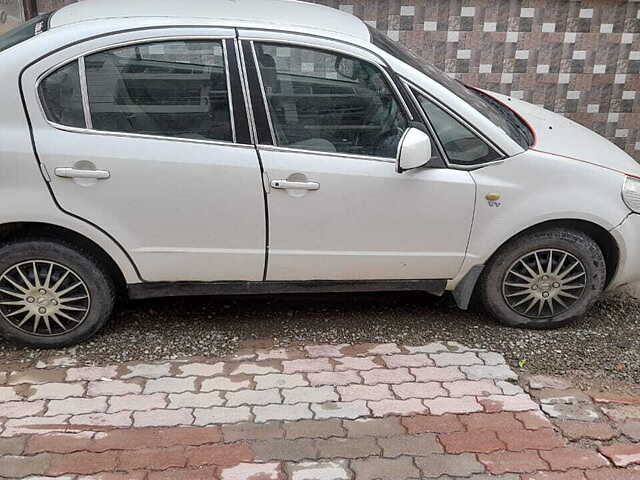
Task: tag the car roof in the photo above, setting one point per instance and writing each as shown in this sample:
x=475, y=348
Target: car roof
x=276, y=14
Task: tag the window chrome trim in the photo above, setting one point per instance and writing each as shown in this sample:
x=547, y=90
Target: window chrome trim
x=87, y=131
x=90, y=130
x=371, y=158
x=412, y=87
x=229, y=97
x=264, y=94
x=244, y=78
x=88, y=121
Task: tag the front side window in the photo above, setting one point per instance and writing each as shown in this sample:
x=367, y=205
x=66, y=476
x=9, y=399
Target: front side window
x=461, y=145
x=61, y=96
x=324, y=101
x=171, y=89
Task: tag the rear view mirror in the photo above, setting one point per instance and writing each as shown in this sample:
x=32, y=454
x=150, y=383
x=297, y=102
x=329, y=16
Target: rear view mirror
x=346, y=67
x=414, y=151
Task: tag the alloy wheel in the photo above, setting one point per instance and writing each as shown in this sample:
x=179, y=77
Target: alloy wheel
x=43, y=298
x=544, y=283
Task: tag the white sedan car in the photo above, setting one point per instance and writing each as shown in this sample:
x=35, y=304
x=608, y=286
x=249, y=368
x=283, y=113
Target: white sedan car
x=152, y=148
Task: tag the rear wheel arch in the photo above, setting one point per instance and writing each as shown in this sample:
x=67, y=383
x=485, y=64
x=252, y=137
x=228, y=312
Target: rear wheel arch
x=17, y=231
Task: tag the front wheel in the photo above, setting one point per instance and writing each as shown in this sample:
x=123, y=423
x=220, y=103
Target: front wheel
x=52, y=294
x=544, y=280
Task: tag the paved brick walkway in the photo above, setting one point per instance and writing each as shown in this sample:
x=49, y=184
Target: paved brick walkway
x=321, y=412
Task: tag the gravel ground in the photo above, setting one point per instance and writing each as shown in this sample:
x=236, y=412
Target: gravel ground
x=603, y=346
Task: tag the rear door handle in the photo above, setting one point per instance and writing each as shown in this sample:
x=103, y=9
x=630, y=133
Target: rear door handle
x=67, y=172
x=286, y=185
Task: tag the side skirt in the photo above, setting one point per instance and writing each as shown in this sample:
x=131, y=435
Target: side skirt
x=181, y=289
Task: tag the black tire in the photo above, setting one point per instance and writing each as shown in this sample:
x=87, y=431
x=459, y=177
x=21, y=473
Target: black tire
x=87, y=268
x=560, y=241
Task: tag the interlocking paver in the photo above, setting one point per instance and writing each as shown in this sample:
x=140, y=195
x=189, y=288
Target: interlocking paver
x=112, y=388
x=148, y=370
x=201, y=369
x=194, y=400
x=56, y=391
x=170, y=385
x=323, y=412
x=375, y=468
x=346, y=377
x=258, y=471
x=77, y=405
x=22, y=409
x=220, y=415
x=136, y=402
x=414, y=445
x=163, y=418
x=90, y=373
x=388, y=376
x=437, y=465
x=253, y=397
x=298, y=411
x=365, y=392
x=321, y=394
x=280, y=380
x=411, y=406
x=321, y=470
x=356, y=363
x=354, y=409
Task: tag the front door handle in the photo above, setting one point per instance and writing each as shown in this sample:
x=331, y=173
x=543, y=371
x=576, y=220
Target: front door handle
x=67, y=172
x=286, y=185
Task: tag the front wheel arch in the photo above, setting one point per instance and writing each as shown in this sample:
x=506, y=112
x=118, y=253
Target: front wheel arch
x=464, y=295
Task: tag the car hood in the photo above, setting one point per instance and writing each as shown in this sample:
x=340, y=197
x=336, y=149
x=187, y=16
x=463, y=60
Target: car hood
x=558, y=135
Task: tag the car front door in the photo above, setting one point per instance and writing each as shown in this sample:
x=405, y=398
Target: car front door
x=328, y=130
x=145, y=135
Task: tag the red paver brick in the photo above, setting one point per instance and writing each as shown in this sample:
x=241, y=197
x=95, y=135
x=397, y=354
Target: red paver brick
x=543, y=439
x=570, y=475
x=613, y=474
x=221, y=455
x=502, y=421
x=622, y=454
x=471, y=442
x=202, y=473
x=571, y=457
x=152, y=459
x=579, y=430
x=82, y=462
x=533, y=420
x=58, y=443
x=433, y=423
x=384, y=375
x=155, y=438
x=139, y=475
x=512, y=462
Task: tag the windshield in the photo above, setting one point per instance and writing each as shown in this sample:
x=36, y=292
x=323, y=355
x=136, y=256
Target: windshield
x=24, y=32
x=499, y=114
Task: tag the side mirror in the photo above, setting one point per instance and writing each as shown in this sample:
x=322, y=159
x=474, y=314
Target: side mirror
x=414, y=150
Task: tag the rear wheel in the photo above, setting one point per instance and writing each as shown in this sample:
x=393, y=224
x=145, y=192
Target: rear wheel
x=545, y=279
x=51, y=294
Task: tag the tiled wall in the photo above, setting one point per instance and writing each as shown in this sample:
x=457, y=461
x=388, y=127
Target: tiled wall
x=579, y=58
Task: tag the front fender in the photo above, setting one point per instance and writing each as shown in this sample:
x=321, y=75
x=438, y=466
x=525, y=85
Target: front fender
x=534, y=188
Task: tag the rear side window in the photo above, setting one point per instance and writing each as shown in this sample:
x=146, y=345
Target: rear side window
x=24, y=32
x=61, y=96
x=170, y=89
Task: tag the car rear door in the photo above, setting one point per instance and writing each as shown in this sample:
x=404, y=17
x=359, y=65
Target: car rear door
x=145, y=135
x=328, y=129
